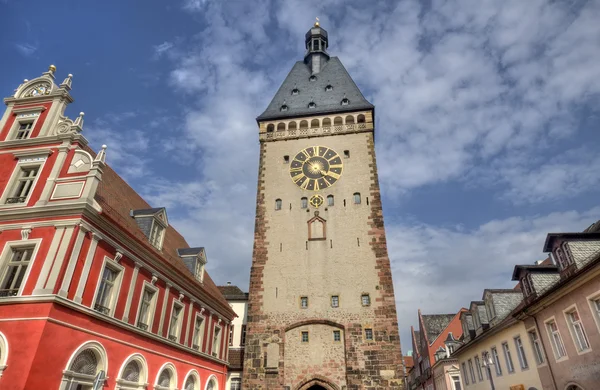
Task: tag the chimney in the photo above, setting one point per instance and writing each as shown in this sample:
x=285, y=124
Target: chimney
x=229, y=283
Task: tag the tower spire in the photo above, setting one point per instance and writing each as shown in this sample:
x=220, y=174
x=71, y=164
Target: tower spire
x=316, y=43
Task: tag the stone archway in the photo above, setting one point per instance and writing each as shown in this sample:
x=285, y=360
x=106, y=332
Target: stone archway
x=317, y=383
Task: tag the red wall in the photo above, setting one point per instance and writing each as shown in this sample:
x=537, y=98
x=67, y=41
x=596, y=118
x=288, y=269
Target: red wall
x=38, y=124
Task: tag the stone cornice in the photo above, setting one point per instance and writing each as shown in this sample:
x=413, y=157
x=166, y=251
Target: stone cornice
x=315, y=132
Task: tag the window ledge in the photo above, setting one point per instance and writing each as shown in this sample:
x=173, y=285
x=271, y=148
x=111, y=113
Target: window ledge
x=562, y=359
x=584, y=352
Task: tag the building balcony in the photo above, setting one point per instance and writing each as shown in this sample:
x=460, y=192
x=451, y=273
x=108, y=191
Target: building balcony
x=16, y=199
x=315, y=131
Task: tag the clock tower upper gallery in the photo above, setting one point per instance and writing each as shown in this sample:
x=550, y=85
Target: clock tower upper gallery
x=321, y=309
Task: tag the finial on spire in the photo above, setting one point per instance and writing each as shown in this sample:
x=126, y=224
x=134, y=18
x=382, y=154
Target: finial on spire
x=67, y=82
x=52, y=68
x=101, y=156
x=79, y=121
x=317, y=22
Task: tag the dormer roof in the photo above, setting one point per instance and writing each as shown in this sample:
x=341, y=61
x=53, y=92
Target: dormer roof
x=521, y=270
x=551, y=238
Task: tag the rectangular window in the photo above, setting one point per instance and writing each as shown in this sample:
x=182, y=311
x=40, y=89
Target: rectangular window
x=536, y=346
x=286, y=159
x=478, y=365
x=337, y=335
x=496, y=361
x=456, y=383
x=366, y=300
x=368, y=334
x=106, y=294
x=198, y=331
x=330, y=200
x=216, y=345
x=277, y=204
x=305, y=337
x=146, y=309
x=578, y=333
x=465, y=374
x=304, y=202
x=243, y=341
x=156, y=235
x=24, y=130
x=175, y=323
x=23, y=185
x=236, y=384
x=521, y=353
x=557, y=344
x=304, y=302
x=15, y=271
x=471, y=371
x=335, y=301
x=507, y=356
x=231, y=335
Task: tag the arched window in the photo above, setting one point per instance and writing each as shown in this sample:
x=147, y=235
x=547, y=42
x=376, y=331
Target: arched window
x=314, y=123
x=330, y=200
x=326, y=122
x=338, y=120
x=280, y=126
x=134, y=374
x=357, y=198
x=192, y=381
x=361, y=118
x=304, y=202
x=270, y=128
x=212, y=383
x=3, y=352
x=349, y=120
x=277, y=204
x=292, y=126
x=87, y=361
x=167, y=378
x=304, y=124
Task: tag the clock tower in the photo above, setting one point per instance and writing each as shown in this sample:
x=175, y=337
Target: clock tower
x=322, y=312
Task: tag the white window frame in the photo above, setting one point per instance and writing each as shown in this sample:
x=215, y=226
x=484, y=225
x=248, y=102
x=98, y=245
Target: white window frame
x=540, y=348
x=198, y=335
x=191, y=374
x=465, y=373
x=173, y=385
x=151, y=309
x=4, y=351
x=216, y=339
x=521, y=355
x=471, y=371
x=574, y=336
x=24, y=117
x=114, y=266
x=453, y=382
x=510, y=365
x=478, y=365
x=557, y=358
x=362, y=302
x=181, y=306
x=161, y=228
x=496, y=358
x=7, y=254
x=23, y=163
x=122, y=384
x=595, y=307
x=302, y=299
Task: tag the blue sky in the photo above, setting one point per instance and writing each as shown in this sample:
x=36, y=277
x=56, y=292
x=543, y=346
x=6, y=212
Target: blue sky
x=487, y=119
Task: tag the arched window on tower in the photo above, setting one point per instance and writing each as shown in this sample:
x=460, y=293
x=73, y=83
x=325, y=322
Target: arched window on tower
x=304, y=124
x=304, y=201
x=280, y=126
x=270, y=128
x=357, y=198
x=330, y=200
x=326, y=122
x=314, y=123
x=86, y=363
x=167, y=378
x=292, y=125
x=361, y=118
x=338, y=121
x=277, y=204
x=349, y=120
x=134, y=374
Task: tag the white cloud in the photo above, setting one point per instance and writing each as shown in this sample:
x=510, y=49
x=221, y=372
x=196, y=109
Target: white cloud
x=163, y=48
x=26, y=49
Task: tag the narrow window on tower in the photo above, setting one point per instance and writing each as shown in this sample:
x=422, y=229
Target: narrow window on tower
x=305, y=337
x=368, y=334
x=277, y=204
x=304, y=202
x=335, y=301
x=367, y=200
x=357, y=198
x=365, y=299
x=346, y=154
x=286, y=159
x=337, y=336
x=330, y=200
x=304, y=302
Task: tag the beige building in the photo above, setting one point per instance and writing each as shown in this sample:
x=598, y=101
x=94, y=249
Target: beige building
x=238, y=300
x=322, y=309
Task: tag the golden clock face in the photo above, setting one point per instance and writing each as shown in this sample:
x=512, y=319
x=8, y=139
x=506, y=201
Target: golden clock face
x=316, y=168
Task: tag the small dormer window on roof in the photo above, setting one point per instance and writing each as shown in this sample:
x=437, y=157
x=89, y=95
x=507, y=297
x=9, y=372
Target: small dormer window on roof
x=312, y=78
x=329, y=88
x=345, y=101
x=312, y=105
x=153, y=223
x=284, y=108
x=295, y=91
x=194, y=260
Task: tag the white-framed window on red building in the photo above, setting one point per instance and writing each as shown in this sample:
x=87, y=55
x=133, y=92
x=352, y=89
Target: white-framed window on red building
x=145, y=316
x=231, y=335
x=216, y=341
x=108, y=287
x=24, y=129
x=22, y=182
x=175, y=321
x=15, y=264
x=577, y=331
x=198, y=332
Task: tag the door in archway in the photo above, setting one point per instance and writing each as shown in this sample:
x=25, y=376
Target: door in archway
x=316, y=387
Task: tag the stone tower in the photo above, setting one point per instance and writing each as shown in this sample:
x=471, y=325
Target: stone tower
x=322, y=312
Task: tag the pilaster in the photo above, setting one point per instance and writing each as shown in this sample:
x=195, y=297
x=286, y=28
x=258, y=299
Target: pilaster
x=89, y=259
x=164, y=308
x=131, y=291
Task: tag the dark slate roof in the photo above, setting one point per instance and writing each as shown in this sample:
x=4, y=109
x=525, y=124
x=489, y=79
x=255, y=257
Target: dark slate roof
x=568, y=236
x=152, y=211
x=550, y=268
x=190, y=251
x=233, y=293
x=435, y=324
x=334, y=74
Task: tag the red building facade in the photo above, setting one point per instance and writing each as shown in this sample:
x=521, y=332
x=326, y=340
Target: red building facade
x=94, y=282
